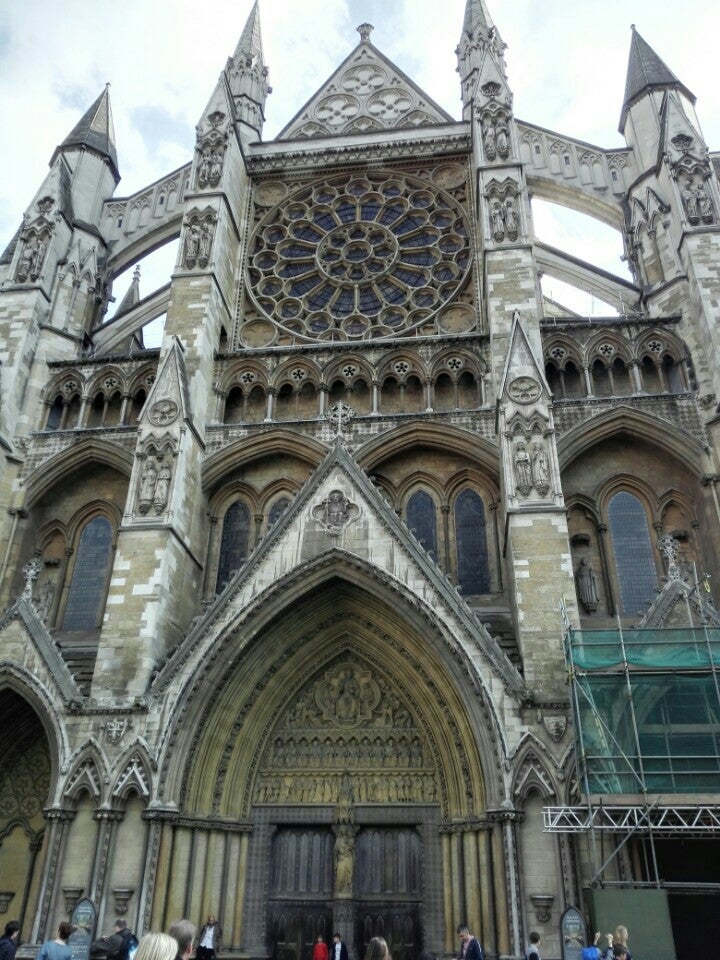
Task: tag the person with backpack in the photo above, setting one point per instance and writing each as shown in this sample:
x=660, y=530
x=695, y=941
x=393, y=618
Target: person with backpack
x=120, y=945
x=533, y=951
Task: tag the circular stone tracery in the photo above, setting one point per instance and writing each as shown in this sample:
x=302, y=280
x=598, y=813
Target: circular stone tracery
x=365, y=256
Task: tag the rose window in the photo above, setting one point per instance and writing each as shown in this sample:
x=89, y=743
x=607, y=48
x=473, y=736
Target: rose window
x=368, y=256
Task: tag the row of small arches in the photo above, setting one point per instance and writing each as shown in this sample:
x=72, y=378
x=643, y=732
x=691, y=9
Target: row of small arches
x=615, y=377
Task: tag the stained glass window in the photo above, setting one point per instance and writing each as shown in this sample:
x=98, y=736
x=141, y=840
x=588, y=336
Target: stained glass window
x=471, y=542
x=234, y=542
x=422, y=521
x=89, y=578
x=634, y=561
x=277, y=510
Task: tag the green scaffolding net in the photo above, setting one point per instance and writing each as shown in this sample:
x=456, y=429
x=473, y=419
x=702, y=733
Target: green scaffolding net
x=647, y=710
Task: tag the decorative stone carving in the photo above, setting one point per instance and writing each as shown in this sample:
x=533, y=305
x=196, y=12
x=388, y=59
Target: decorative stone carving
x=340, y=416
x=540, y=469
x=587, y=586
x=199, y=232
x=32, y=257
x=344, y=861
x=116, y=728
x=72, y=895
x=121, y=896
x=162, y=487
x=163, y=412
x=211, y=147
x=523, y=470
x=504, y=217
x=524, y=390
x=335, y=512
x=542, y=902
x=670, y=549
x=31, y=571
x=146, y=486
x=5, y=898
x=45, y=600
x=556, y=725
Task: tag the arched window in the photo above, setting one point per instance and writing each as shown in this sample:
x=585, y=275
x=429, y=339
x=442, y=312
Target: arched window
x=634, y=561
x=420, y=514
x=89, y=578
x=277, y=510
x=55, y=415
x=234, y=542
x=471, y=543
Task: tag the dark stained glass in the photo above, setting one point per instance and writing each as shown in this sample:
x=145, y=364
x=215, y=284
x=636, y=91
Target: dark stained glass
x=277, y=510
x=89, y=578
x=234, y=542
x=421, y=518
x=634, y=561
x=471, y=543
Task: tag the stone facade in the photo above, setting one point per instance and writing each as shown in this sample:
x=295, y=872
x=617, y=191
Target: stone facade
x=283, y=633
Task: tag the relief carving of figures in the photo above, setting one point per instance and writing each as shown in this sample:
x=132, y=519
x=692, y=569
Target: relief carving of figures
x=31, y=259
x=192, y=246
x=498, y=222
x=587, y=586
x=146, y=487
x=210, y=167
x=705, y=208
x=540, y=470
x=162, y=488
x=206, y=235
x=496, y=139
x=45, y=600
x=503, y=141
x=335, y=512
x=511, y=220
x=523, y=470
x=489, y=139
x=697, y=202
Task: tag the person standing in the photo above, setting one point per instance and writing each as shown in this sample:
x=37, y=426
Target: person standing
x=339, y=950
x=617, y=939
x=210, y=941
x=470, y=947
x=115, y=947
x=9, y=942
x=58, y=948
x=533, y=950
x=320, y=950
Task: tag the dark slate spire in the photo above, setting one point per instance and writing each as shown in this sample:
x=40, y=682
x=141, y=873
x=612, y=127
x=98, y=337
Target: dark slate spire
x=646, y=71
x=95, y=131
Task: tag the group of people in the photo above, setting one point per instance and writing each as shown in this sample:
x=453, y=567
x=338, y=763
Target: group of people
x=616, y=946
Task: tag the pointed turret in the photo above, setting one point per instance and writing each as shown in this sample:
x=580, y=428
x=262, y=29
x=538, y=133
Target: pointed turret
x=95, y=132
x=646, y=73
x=479, y=39
x=247, y=75
x=132, y=296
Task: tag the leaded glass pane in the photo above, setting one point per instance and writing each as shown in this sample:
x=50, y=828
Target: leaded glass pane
x=422, y=521
x=234, y=542
x=87, y=587
x=634, y=561
x=277, y=510
x=471, y=541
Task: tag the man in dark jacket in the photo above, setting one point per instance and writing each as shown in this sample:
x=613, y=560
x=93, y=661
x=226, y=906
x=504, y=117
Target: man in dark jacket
x=338, y=951
x=114, y=947
x=210, y=940
x=9, y=943
x=470, y=948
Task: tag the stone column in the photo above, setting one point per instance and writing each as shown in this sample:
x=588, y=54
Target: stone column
x=57, y=840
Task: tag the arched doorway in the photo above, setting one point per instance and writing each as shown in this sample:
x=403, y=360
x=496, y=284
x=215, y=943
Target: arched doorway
x=25, y=778
x=341, y=749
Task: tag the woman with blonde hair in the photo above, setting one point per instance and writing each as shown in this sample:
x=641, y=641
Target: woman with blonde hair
x=615, y=941
x=156, y=946
x=377, y=949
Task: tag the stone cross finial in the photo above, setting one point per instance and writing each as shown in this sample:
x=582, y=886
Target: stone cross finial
x=340, y=416
x=670, y=549
x=31, y=571
x=365, y=29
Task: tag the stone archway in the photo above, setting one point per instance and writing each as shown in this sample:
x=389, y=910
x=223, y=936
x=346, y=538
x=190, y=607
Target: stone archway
x=25, y=779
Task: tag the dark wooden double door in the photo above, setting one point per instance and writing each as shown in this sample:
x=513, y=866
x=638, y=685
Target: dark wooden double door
x=386, y=884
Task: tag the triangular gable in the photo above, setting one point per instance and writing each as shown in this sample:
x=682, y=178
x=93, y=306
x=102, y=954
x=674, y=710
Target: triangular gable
x=341, y=517
x=679, y=138
x=367, y=92
x=521, y=359
x=169, y=397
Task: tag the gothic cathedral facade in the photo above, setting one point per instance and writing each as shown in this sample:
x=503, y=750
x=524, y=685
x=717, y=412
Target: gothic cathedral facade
x=283, y=630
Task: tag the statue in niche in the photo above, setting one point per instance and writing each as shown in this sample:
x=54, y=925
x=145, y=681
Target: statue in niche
x=25, y=262
x=205, y=244
x=523, y=470
x=162, y=488
x=502, y=140
x=489, y=140
x=346, y=705
x=705, y=209
x=690, y=203
x=204, y=170
x=192, y=246
x=587, y=586
x=344, y=861
x=511, y=219
x=215, y=172
x=540, y=470
x=498, y=222
x=45, y=600
x=37, y=258
x=146, y=486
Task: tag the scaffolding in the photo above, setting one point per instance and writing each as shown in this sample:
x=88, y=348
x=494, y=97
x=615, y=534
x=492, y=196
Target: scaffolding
x=646, y=709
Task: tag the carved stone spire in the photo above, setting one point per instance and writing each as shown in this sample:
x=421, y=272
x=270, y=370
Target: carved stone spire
x=132, y=295
x=247, y=75
x=476, y=18
x=479, y=38
x=646, y=72
x=95, y=132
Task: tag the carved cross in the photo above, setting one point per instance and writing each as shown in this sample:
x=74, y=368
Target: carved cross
x=31, y=571
x=340, y=416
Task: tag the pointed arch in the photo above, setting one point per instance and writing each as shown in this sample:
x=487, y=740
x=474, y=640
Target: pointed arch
x=88, y=774
x=91, y=450
x=437, y=436
x=134, y=774
x=278, y=442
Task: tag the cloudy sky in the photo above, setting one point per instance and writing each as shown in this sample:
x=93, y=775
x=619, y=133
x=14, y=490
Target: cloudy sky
x=566, y=63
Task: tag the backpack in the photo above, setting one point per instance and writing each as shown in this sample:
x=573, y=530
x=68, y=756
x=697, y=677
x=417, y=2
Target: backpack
x=131, y=945
x=590, y=953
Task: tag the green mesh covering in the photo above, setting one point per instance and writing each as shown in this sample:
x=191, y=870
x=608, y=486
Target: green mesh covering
x=654, y=726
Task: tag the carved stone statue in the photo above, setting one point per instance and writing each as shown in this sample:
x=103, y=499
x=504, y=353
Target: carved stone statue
x=705, y=208
x=502, y=141
x=489, y=140
x=540, y=469
x=215, y=172
x=523, y=470
x=25, y=262
x=587, y=586
x=45, y=600
x=344, y=862
x=162, y=488
x=690, y=203
x=146, y=487
x=38, y=258
x=511, y=219
x=498, y=222
x=192, y=246
x=204, y=170
x=670, y=549
x=205, y=245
